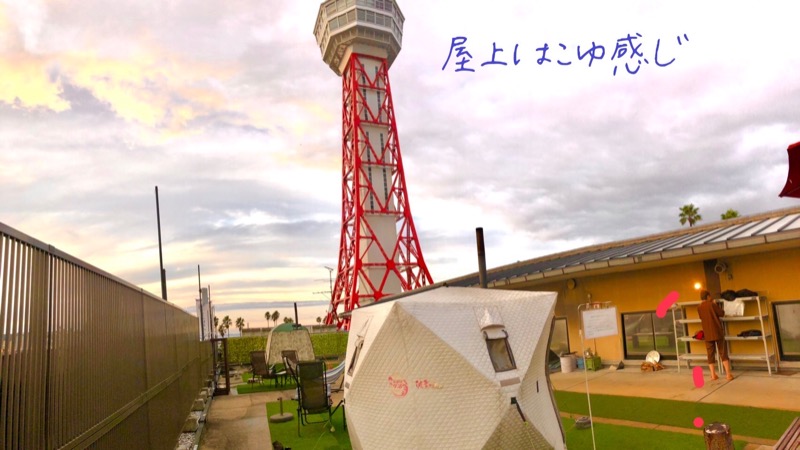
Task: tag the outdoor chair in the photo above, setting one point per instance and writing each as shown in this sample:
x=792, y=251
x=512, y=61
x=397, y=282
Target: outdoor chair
x=313, y=394
x=291, y=372
x=289, y=358
x=261, y=371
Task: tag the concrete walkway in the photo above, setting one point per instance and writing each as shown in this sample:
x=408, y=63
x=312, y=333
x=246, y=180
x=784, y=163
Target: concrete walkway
x=237, y=422
x=748, y=388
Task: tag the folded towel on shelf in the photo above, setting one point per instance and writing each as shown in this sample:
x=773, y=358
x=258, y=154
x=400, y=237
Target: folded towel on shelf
x=734, y=307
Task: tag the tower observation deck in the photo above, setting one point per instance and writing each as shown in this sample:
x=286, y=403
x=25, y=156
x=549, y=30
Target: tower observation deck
x=379, y=252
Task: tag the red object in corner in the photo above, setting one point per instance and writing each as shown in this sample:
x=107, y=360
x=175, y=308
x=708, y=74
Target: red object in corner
x=792, y=188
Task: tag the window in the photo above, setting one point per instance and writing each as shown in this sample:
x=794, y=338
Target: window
x=364, y=96
x=356, y=352
x=499, y=350
x=368, y=151
x=380, y=109
x=385, y=180
x=787, y=324
x=339, y=21
x=366, y=147
x=559, y=339
x=644, y=332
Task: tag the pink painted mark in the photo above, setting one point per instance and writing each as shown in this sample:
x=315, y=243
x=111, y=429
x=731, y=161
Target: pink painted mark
x=698, y=422
x=666, y=304
x=398, y=386
x=697, y=375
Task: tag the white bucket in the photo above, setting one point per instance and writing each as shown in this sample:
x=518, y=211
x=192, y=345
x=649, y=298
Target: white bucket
x=568, y=363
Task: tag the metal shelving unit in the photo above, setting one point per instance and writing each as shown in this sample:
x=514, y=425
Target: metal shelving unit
x=761, y=319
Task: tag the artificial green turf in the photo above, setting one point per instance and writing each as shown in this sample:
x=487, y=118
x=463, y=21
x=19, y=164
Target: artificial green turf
x=743, y=420
x=318, y=436
x=620, y=437
x=312, y=436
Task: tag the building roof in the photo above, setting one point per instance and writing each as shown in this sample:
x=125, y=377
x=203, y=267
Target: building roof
x=698, y=242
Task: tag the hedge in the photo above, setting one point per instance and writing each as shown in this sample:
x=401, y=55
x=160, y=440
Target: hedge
x=239, y=348
x=326, y=345
x=329, y=345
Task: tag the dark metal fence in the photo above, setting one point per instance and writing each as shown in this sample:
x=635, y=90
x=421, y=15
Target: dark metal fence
x=89, y=360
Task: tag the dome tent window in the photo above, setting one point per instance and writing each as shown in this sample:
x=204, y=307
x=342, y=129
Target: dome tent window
x=358, y=345
x=356, y=352
x=499, y=350
x=496, y=336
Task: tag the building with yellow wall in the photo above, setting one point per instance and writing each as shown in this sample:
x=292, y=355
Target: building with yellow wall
x=760, y=253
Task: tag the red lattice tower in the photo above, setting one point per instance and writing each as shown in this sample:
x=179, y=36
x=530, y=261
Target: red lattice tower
x=379, y=252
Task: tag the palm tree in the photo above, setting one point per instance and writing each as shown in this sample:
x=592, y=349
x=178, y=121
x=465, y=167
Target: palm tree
x=221, y=331
x=240, y=325
x=288, y=320
x=689, y=213
x=319, y=320
x=216, y=322
x=267, y=315
x=275, y=315
x=226, y=322
x=729, y=214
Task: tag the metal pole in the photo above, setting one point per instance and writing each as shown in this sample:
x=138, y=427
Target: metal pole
x=211, y=313
x=481, y=257
x=586, y=374
x=330, y=278
x=200, y=296
x=160, y=253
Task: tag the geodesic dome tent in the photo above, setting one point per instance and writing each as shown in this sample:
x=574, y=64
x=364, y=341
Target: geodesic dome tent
x=452, y=368
x=289, y=336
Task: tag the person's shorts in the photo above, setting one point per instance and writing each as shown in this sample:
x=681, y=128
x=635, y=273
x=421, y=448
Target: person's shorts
x=711, y=350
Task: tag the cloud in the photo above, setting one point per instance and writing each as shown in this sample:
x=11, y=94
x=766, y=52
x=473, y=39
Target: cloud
x=230, y=110
x=25, y=19
x=265, y=305
x=181, y=69
x=27, y=83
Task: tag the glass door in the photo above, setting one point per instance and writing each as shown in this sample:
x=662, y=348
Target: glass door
x=644, y=332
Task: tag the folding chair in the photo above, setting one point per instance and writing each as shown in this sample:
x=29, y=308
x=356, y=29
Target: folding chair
x=261, y=371
x=313, y=396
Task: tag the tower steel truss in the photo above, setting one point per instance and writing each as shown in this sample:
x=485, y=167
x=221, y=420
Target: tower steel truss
x=379, y=252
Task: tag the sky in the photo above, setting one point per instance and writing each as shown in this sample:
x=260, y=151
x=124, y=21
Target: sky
x=229, y=109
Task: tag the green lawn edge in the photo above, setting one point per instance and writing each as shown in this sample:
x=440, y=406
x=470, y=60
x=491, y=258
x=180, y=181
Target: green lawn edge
x=743, y=420
x=608, y=437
